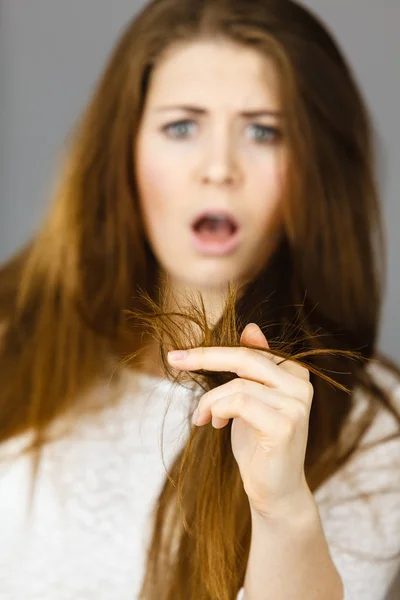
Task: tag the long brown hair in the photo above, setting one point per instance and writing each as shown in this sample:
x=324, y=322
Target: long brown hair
x=63, y=298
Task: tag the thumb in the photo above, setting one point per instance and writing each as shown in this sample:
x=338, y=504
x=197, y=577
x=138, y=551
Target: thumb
x=253, y=335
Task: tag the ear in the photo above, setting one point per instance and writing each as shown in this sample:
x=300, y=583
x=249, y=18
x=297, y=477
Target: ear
x=253, y=335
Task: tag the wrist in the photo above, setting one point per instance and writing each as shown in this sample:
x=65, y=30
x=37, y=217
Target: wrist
x=297, y=510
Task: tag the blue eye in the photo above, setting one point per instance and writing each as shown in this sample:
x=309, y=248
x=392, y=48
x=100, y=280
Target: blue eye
x=265, y=134
x=179, y=129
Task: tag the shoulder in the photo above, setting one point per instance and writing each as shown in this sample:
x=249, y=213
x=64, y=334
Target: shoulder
x=378, y=455
x=369, y=481
x=359, y=505
x=385, y=377
x=385, y=423
x=15, y=484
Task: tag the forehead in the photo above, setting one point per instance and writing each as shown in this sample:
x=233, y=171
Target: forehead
x=215, y=73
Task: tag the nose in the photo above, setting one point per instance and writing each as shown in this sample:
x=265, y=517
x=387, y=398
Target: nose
x=220, y=166
x=219, y=174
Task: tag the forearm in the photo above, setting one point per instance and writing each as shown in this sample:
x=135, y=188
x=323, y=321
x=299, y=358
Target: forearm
x=289, y=559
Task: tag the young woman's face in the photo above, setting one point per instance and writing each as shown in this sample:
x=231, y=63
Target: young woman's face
x=210, y=164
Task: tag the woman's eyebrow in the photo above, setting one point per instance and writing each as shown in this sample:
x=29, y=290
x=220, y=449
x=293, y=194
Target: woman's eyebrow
x=202, y=111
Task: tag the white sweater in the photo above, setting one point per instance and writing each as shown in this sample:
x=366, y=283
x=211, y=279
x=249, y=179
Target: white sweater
x=87, y=536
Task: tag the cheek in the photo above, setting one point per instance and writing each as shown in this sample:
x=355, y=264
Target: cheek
x=159, y=174
x=268, y=183
x=151, y=180
x=158, y=189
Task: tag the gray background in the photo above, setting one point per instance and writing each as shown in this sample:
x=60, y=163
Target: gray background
x=52, y=51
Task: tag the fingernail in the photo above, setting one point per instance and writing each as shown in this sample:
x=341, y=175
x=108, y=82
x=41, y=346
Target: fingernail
x=177, y=355
x=195, y=417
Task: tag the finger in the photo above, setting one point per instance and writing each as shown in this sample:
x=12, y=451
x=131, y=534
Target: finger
x=253, y=335
x=248, y=364
x=270, y=396
x=264, y=420
x=290, y=407
x=295, y=369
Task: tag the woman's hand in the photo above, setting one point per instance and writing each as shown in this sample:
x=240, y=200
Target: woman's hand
x=270, y=407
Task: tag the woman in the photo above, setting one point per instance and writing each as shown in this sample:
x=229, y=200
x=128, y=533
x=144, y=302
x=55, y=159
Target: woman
x=226, y=143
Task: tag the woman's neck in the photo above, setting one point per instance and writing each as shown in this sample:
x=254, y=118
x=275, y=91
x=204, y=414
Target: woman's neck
x=178, y=298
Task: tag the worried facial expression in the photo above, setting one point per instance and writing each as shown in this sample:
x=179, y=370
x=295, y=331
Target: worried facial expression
x=210, y=163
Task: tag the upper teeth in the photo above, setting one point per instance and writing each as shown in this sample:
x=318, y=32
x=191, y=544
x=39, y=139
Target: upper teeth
x=216, y=217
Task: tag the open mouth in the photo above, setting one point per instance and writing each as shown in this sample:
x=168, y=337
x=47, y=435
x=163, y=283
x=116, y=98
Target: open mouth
x=215, y=227
x=215, y=233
